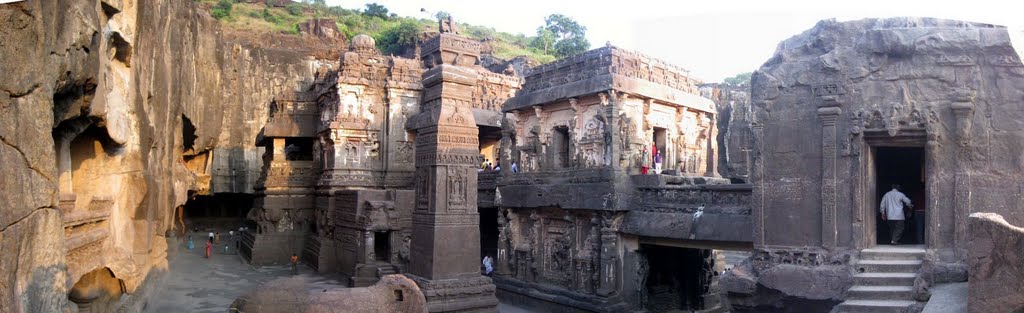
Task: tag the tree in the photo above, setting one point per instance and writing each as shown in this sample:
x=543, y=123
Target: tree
x=544, y=41
x=374, y=9
x=394, y=39
x=738, y=80
x=222, y=9
x=442, y=15
x=570, y=38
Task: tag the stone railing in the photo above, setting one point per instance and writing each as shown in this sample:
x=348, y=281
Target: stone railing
x=84, y=227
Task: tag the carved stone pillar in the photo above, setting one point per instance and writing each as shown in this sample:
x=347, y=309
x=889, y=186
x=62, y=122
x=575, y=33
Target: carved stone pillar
x=447, y=157
x=502, y=259
x=608, y=284
x=963, y=109
x=757, y=180
x=712, y=143
x=828, y=112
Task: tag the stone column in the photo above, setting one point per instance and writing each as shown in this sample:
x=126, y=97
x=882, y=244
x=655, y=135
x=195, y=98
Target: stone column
x=502, y=259
x=828, y=112
x=445, y=248
x=756, y=176
x=609, y=259
x=963, y=109
x=712, y=161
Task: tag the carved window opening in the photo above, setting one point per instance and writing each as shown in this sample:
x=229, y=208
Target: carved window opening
x=382, y=246
x=188, y=134
x=490, y=138
x=904, y=166
x=399, y=297
x=560, y=147
x=676, y=279
x=298, y=149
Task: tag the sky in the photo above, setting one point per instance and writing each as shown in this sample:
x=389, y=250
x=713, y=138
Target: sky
x=712, y=39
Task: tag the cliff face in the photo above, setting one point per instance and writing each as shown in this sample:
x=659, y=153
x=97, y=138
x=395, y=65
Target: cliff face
x=110, y=112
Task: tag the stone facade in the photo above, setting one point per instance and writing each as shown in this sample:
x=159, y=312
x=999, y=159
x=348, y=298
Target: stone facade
x=616, y=159
x=839, y=102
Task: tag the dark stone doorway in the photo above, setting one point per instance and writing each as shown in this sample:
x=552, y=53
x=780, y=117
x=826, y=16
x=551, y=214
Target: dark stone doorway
x=676, y=278
x=382, y=246
x=488, y=232
x=903, y=166
x=221, y=211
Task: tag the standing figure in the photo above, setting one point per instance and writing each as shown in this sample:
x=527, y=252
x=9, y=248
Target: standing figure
x=295, y=264
x=191, y=245
x=892, y=211
x=209, y=248
x=488, y=265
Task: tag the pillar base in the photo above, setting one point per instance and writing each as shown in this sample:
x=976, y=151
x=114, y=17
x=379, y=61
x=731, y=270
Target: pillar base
x=470, y=294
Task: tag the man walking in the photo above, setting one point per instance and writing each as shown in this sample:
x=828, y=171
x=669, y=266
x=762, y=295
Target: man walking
x=892, y=212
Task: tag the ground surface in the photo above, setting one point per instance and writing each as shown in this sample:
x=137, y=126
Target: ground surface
x=947, y=298
x=200, y=285
x=197, y=284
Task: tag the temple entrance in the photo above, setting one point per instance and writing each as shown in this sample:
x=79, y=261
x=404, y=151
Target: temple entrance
x=902, y=166
x=676, y=278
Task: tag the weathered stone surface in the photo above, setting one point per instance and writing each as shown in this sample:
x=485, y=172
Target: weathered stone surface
x=830, y=97
x=92, y=110
x=393, y=293
x=739, y=279
x=821, y=282
x=996, y=264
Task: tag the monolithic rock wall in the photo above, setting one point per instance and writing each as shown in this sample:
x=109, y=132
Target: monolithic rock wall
x=832, y=95
x=92, y=110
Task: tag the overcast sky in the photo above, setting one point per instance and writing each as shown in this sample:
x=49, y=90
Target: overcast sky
x=714, y=39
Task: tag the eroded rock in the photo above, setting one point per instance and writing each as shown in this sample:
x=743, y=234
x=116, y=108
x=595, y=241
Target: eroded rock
x=996, y=265
x=393, y=293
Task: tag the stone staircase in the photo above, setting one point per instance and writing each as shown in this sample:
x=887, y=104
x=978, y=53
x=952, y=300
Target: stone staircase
x=885, y=280
x=385, y=270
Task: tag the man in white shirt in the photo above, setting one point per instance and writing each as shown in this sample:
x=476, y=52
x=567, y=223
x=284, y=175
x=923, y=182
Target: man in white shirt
x=892, y=212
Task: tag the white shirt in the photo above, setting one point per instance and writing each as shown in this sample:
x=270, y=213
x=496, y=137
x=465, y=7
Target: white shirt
x=892, y=205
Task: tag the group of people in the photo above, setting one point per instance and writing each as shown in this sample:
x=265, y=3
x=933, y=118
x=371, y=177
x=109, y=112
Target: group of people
x=485, y=166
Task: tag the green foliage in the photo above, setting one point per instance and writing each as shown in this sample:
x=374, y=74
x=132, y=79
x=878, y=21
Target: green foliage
x=392, y=33
x=269, y=17
x=441, y=15
x=222, y=9
x=739, y=79
x=570, y=38
x=545, y=40
x=376, y=10
x=394, y=39
x=294, y=9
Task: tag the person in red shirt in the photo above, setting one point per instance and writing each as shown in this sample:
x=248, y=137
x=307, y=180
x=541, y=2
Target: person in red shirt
x=209, y=248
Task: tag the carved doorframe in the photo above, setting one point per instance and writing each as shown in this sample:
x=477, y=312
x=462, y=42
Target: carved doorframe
x=868, y=198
